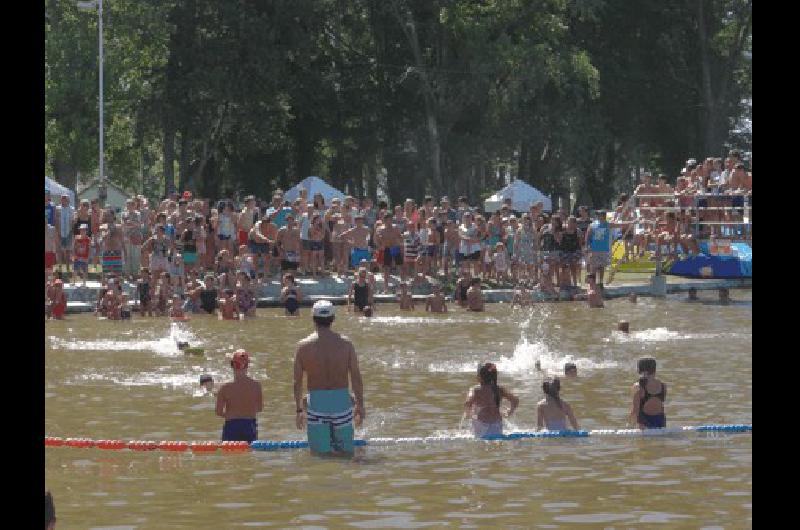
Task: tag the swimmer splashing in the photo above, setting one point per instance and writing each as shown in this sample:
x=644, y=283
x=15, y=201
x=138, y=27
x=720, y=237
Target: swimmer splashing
x=483, y=403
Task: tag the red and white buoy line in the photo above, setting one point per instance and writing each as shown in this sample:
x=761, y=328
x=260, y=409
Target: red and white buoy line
x=260, y=445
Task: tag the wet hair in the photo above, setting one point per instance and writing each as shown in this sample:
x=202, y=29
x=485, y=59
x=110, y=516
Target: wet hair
x=325, y=322
x=552, y=388
x=487, y=373
x=205, y=378
x=569, y=367
x=49, y=509
x=646, y=365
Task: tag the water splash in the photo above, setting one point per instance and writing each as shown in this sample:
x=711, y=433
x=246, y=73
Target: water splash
x=662, y=334
x=163, y=345
x=531, y=353
x=403, y=321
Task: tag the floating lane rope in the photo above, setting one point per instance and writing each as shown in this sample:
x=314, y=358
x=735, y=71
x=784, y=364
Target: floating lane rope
x=266, y=445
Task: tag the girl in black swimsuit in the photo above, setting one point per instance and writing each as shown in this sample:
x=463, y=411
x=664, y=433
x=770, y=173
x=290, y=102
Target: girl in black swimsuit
x=646, y=390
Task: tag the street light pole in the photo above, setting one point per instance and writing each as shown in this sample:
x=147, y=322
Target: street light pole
x=100, y=37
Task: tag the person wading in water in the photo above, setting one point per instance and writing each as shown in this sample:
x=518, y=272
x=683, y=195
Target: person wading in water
x=328, y=360
x=239, y=401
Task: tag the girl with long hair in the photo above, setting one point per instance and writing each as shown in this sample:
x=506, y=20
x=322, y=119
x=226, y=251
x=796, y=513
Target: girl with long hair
x=483, y=403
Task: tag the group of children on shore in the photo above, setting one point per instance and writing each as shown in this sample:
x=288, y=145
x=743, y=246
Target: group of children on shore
x=482, y=405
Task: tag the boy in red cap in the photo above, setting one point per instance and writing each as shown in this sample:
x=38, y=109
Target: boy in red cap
x=239, y=401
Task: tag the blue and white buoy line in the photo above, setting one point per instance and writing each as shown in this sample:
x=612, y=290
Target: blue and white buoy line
x=265, y=445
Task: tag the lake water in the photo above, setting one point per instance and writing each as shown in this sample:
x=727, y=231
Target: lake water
x=127, y=380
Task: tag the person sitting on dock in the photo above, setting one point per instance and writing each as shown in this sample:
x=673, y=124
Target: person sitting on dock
x=649, y=394
x=483, y=403
x=239, y=401
x=552, y=412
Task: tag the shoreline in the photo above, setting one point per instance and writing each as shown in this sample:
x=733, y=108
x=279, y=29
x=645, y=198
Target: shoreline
x=82, y=299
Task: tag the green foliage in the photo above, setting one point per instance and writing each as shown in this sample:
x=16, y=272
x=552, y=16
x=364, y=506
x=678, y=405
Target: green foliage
x=441, y=95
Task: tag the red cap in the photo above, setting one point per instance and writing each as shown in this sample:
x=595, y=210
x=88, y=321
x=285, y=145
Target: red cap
x=240, y=360
x=187, y=194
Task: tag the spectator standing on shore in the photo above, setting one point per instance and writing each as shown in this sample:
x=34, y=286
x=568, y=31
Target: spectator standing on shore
x=132, y=224
x=598, y=242
x=64, y=215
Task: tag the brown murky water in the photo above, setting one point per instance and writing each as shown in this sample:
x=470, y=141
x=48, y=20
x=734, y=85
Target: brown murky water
x=128, y=381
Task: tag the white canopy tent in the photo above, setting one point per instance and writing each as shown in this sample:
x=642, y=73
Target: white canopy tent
x=522, y=196
x=57, y=190
x=314, y=185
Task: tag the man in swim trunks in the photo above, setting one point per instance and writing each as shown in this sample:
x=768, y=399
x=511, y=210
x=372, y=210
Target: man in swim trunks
x=113, y=244
x=239, y=402
x=389, y=240
x=328, y=360
x=288, y=241
x=358, y=238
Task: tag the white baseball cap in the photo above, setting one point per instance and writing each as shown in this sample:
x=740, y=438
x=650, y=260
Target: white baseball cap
x=324, y=308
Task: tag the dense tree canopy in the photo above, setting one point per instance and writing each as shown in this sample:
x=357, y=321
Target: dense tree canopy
x=413, y=96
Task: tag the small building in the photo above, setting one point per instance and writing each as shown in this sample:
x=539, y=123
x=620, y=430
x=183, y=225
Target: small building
x=115, y=195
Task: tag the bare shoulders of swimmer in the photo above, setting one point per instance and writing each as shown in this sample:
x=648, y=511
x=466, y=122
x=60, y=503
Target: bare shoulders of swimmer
x=326, y=360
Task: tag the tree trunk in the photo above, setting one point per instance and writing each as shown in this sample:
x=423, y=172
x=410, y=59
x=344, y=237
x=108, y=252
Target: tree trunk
x=65, y=174
x=169, y=159
x=184, y=171
x=709, y=103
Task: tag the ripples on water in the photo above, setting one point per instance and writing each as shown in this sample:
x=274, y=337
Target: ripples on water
x=128, y=380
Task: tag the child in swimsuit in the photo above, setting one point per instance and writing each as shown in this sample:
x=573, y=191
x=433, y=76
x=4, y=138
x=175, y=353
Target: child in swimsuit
x=245, y=298
x=227, y=306
x=552, y=412
x=483, y=403
x=649, y=394
x=290, y=295
x=406, y=300
x=143, y=292
x=207, y=384
x=176, y=311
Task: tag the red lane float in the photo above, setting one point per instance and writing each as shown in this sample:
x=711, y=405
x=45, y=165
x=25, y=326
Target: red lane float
x=82, y=443
x=204, y=447
x=142, y=445
x=111, y=444
x=53, y=441
x=234, y=447
x=173, y=446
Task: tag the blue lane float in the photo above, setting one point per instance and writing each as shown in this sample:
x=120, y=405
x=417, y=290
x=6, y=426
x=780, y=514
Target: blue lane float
x=520, y=435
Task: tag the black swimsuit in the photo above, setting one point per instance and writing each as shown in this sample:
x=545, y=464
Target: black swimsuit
x=291, y=302
x=361, y=296
x=652, y=421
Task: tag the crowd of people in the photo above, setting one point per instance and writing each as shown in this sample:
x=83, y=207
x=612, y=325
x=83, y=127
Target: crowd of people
x=188, y=256
x=710, y=199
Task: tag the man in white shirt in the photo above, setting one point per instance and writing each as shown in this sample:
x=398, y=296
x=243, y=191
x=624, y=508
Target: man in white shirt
x=470, y=245
x=64, y=219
